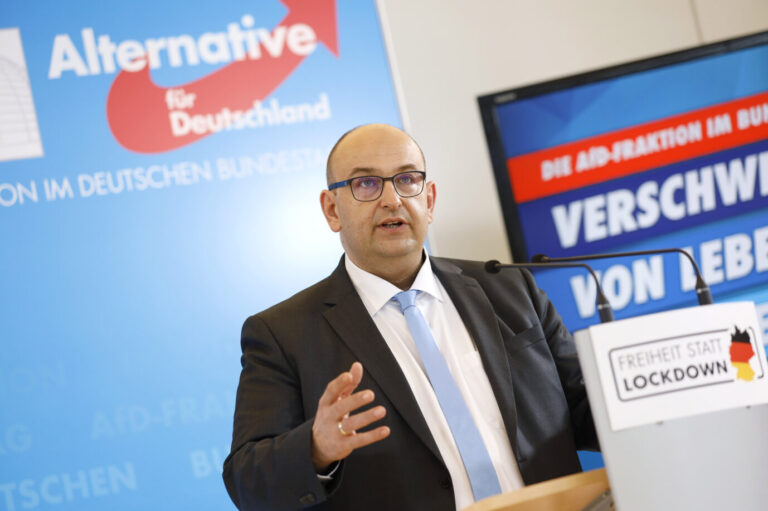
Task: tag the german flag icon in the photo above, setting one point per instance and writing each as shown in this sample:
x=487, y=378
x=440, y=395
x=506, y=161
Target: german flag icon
x=741, y=352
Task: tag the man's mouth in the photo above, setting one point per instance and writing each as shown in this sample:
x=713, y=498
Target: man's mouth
x=392, y=223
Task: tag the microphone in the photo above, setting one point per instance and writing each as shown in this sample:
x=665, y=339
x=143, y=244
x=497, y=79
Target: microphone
x=702, y=289
x=603, y=307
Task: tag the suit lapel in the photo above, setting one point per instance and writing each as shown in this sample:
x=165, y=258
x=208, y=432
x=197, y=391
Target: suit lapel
x=355, y=327
x=479, y=317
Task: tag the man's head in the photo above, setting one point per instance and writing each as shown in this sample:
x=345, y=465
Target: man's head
x=384, y=236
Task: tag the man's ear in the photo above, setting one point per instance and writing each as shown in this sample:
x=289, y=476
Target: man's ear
x=431, y=197
x=330, y=210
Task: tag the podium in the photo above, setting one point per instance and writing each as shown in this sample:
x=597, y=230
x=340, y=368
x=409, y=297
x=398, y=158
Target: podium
x=568, y=493
x=680, y=403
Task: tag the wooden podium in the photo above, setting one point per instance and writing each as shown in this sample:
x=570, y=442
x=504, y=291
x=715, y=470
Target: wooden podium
x=569, y=493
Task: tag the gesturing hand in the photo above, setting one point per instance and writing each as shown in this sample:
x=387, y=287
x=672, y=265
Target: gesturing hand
x=334, y=434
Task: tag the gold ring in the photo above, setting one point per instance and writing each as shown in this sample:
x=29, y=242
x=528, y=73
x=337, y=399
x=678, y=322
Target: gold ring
x=341, y=429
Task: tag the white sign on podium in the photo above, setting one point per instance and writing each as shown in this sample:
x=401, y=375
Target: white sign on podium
x=665, y=366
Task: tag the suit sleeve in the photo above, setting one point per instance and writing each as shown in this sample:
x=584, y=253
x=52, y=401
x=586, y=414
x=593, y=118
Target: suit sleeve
x=566, y=359
x=270, y=466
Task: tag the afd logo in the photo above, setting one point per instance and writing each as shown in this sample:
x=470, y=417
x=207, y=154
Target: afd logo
x=148, y=118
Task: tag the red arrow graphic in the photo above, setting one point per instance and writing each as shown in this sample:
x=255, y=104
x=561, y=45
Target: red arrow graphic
x=136, y=107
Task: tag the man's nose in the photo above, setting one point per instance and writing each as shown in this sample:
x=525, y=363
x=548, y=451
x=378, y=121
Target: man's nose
x=389, y=197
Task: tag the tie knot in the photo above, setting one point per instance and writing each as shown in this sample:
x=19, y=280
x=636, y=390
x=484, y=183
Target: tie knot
x=406, y=298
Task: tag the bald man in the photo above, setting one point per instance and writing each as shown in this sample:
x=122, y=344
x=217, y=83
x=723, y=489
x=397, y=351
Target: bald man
x=340, y=407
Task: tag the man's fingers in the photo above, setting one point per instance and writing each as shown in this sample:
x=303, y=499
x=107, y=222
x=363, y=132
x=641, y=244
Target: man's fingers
x=363, y=419
x=342, y=385
x=356, y=371
x=350, y=403
x=334, y=389
x=362, y=439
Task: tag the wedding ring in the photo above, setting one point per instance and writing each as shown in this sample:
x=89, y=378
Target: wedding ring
x=341, y=429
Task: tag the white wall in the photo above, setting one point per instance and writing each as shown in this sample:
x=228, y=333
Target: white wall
x=445, y=53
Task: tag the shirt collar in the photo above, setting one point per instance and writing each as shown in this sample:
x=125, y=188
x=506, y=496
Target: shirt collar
x=375, y=292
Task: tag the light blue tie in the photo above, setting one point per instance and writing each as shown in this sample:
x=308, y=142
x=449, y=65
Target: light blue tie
x=482, y=475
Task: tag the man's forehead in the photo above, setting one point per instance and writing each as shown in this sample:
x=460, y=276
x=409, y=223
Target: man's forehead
x=375, y=147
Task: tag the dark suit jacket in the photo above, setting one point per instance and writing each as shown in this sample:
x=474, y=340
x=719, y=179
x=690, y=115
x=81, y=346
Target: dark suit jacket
x=292, y=350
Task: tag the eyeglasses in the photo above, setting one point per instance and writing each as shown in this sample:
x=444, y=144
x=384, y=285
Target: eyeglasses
x=369, y=188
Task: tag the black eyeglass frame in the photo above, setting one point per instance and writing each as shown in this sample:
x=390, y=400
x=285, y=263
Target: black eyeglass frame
x=348, y=182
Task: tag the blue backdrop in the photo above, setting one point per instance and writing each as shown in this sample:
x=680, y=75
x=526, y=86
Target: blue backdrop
x=121, y=305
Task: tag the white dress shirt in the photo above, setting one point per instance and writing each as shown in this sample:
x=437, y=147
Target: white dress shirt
x=460, y=353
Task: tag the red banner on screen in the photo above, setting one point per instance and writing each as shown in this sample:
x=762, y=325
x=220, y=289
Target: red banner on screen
x=638, y=148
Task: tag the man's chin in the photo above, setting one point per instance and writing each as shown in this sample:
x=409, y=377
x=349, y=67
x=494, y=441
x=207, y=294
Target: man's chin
x=400, y=249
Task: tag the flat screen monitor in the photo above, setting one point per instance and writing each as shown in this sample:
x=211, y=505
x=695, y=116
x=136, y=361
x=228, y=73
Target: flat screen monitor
x=670, y=151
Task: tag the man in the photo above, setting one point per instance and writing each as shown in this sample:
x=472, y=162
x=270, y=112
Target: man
x=340, y=407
